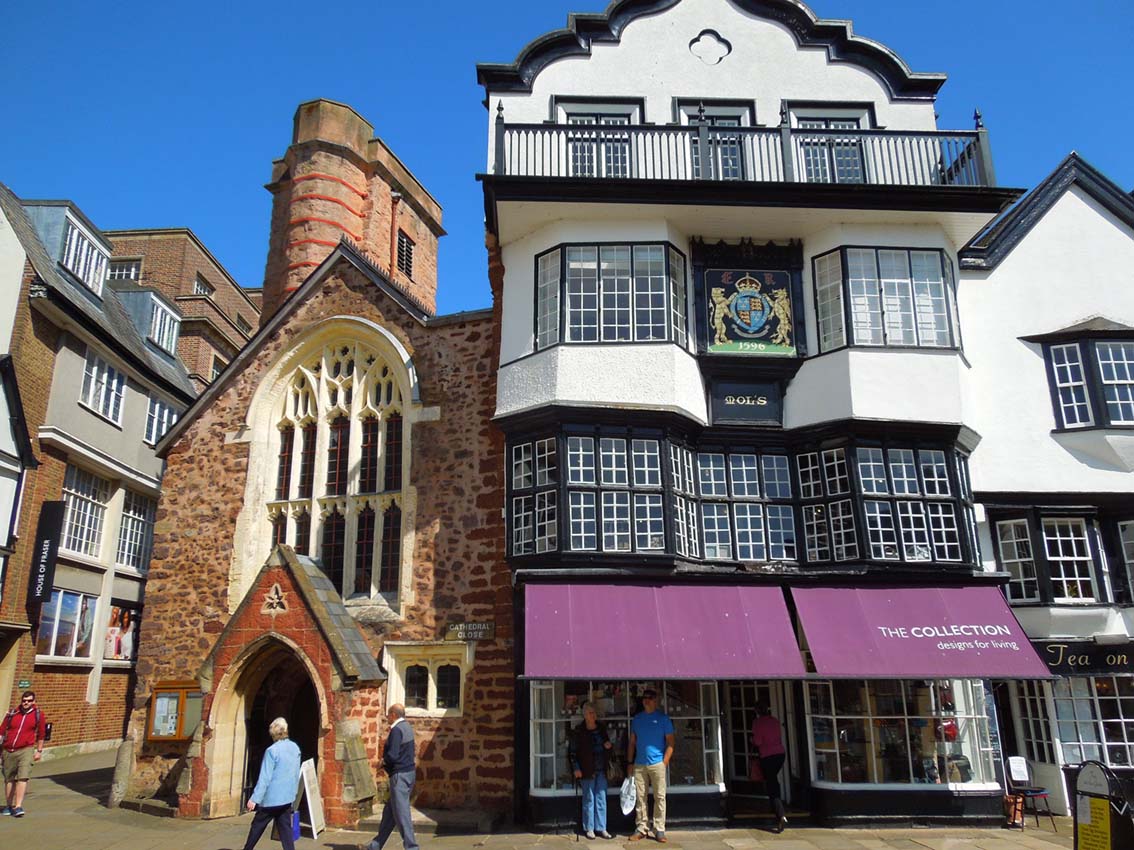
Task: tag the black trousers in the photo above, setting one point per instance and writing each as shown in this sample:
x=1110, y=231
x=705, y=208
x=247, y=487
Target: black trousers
x=264, y=816
x=771, y=766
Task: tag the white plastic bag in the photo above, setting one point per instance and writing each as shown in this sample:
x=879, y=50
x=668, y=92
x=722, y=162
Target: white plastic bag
x=628, y=796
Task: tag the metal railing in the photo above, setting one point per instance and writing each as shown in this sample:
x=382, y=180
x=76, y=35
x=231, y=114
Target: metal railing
x=701, y=151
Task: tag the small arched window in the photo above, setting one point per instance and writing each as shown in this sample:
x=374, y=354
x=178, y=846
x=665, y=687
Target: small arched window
x=339, y=472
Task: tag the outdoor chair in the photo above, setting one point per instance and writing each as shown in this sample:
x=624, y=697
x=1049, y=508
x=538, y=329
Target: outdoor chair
x=1020, y=784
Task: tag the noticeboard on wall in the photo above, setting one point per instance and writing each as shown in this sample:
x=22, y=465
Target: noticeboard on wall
x=749, y=312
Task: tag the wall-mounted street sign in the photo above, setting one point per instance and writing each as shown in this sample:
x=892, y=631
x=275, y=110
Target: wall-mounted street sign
x=749, y=312
x=47, y=534
x=470, y=631
x=745, y=403
x=24, y=683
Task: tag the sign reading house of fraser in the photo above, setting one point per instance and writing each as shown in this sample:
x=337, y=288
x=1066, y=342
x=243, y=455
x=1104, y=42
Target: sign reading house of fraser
x=749, y=312
x=47, y=533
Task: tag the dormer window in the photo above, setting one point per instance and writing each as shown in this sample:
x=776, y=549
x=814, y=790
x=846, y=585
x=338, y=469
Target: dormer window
x=164, y=325
x=83, y=258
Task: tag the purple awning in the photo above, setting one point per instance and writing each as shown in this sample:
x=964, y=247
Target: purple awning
x=606, y=631
x=915, y=633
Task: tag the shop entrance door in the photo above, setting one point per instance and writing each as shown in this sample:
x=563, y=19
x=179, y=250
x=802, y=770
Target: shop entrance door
x=741, y=698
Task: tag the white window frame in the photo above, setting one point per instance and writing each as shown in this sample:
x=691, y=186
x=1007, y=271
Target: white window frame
x=136, y=532
x=1066, y=569
x=1014, y=545
x=1083, y=724
x=398, y=656
x=1117, y=386
x=160, y=417
x=164, y=326
x=203, y=287
x=83, y=256
x=124, y=269
x=1072, y=397
x=93, y=609
x=104, y=388
x=86, y=497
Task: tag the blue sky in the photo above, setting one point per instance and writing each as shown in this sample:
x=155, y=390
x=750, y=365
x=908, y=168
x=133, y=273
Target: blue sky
x=168, y=114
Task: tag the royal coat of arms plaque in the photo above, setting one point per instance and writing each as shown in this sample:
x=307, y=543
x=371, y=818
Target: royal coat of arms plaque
x=749, y=312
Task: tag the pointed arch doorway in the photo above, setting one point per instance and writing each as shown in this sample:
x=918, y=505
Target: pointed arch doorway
x=274, y=678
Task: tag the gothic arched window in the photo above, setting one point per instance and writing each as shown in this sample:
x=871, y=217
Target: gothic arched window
x=339, y=470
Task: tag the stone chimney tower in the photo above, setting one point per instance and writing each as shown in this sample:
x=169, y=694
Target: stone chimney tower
x=338, y=180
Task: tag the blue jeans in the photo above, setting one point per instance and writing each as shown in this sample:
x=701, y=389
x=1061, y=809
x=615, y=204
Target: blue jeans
x=594, y=803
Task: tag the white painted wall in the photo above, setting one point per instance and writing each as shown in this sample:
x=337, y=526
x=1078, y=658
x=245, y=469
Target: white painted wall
x=12, y=258
x=626, y=376
x=653, y=60
x=1077, y=262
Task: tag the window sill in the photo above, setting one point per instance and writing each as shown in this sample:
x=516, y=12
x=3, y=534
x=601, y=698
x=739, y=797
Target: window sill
x=891, y=787
x=434, y=712
x=82, y=558
x=116, y=664
x=130, y=572
x=60, y=661
x=102, y=415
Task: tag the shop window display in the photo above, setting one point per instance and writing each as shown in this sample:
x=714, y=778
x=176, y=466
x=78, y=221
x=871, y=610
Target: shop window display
x=557, y=708
x=899, y=732
x=1095, y=719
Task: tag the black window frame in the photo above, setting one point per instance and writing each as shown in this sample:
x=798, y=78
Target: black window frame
x=1092, y=381
x=1096, y=532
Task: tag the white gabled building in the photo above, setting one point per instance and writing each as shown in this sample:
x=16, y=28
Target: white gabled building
x=1047, y=305
x=739, y=407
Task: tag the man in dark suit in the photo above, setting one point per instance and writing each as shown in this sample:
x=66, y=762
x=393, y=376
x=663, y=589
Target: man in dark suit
x=399, y=763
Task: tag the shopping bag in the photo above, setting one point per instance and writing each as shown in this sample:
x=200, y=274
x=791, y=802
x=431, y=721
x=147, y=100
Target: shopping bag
x=295, y=830
x=628, y=796
x=755, y=772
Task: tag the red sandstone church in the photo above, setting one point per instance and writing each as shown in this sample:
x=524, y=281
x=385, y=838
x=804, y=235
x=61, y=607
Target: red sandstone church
x=354, y=427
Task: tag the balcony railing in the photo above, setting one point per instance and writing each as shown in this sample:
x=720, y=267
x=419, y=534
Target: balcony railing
x=747, y=154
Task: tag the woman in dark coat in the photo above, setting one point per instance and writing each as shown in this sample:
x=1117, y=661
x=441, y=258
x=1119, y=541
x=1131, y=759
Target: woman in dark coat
x=588, y=752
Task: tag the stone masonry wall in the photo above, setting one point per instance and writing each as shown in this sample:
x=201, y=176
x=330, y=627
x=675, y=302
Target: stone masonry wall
x=459, y=572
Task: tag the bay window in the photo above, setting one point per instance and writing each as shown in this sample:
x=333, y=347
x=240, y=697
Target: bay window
x=1092, y=383
x=629, y=491
x=895, y=297
x=610, y=293
x=1050, y=558
x=927, y=732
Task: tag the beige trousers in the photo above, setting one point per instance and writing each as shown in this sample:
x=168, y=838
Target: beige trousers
x=655, y=773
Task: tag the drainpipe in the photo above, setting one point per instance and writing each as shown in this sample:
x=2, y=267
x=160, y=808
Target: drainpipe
x=395, y=197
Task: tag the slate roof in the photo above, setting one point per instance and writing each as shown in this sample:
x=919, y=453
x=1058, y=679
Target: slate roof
x=1002, y=234
x=106, y=317
x=353, y=658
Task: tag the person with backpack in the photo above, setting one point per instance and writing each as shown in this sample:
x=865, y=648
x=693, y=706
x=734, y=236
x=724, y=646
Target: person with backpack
x=22, y=733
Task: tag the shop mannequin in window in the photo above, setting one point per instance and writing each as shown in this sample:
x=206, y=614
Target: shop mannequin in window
x=589, y=753
x=769, y=747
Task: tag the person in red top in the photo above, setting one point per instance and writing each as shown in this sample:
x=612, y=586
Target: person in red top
x=769, y=746
x=22, y=732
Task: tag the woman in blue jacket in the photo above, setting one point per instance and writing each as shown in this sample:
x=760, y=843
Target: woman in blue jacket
x=274, y=794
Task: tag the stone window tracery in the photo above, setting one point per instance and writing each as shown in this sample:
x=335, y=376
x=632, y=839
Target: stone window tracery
x=341, y=424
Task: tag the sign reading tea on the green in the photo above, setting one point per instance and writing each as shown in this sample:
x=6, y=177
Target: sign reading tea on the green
x=749, y=312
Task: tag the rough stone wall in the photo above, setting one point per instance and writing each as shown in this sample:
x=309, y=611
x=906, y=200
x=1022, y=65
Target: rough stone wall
x=459, y=572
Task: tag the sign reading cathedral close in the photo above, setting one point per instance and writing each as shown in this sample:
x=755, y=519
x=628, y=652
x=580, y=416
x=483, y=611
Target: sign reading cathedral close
x=749, y=312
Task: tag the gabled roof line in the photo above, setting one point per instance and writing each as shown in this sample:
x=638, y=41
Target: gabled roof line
x=836, y=36
x=988, y=248
x=345, y=250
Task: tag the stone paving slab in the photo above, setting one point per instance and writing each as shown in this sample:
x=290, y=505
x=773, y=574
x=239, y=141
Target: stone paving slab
x=66, y=810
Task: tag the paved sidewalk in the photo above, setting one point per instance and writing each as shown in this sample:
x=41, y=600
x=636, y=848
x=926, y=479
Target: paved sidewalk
x=66, y=811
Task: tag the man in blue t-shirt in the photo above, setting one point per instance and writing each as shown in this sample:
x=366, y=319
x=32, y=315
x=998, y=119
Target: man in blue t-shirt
x=651, y=748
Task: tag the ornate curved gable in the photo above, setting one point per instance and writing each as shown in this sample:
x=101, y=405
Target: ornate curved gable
x=837, y=37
